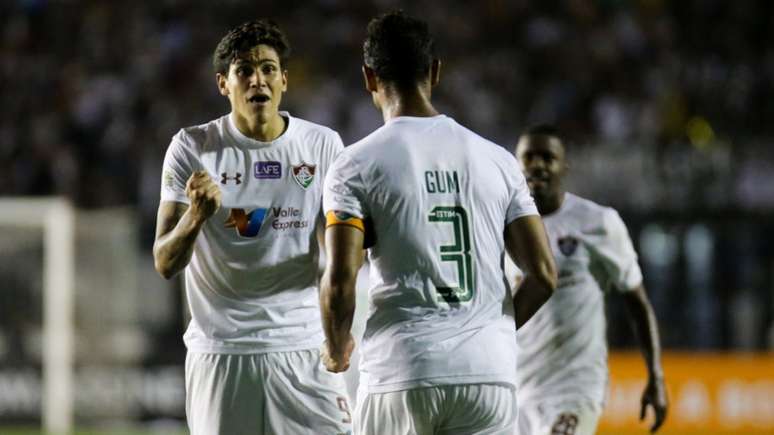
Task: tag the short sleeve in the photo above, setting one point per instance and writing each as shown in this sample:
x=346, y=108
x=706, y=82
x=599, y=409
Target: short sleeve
x=344, y=188
x=334, y=147
x=521, y=202
x=615, y=252
x=175, y=172
x=513, y=275
x=338, y=145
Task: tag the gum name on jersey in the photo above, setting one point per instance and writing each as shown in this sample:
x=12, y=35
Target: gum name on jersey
x=442, y=182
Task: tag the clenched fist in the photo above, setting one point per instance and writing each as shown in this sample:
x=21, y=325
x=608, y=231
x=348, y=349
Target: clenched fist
x=204, y=195
x=337, y=361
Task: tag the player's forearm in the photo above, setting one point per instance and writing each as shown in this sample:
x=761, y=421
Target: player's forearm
x=172, y=252
x=337, y=302
x=533, y=293
x=643, y=320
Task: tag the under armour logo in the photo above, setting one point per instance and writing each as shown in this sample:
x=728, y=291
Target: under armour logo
x=236, y=178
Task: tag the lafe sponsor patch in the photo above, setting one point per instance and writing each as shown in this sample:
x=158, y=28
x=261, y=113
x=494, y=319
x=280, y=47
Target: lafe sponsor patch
x=267, y=170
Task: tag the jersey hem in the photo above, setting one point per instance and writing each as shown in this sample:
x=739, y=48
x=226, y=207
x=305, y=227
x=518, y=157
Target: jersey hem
x=594, y=394
x=247, y=349
x=446, y=380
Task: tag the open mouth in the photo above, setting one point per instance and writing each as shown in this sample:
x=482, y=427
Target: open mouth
x=259, y=99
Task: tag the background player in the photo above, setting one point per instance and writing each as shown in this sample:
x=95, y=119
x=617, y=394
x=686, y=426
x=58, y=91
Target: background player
x=240, y=201
x=563, y=350
x=438, y=353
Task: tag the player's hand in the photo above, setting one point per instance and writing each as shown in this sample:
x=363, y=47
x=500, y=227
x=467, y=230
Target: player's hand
x=334, y=360
x=204, y=195
x=655, y=395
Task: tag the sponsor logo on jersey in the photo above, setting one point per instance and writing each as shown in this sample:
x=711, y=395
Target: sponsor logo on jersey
x=286, y=218
x=246, y=224
x=267, y=170
x=303, y=174
x=225, y=178
x=568, y=245
x=277, y=218
x=167, y=179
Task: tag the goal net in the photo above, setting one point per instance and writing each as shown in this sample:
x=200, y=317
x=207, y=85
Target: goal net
x=89, y=333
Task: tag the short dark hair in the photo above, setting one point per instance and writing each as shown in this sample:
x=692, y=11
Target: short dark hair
x=544, y=130
x=398, y=48
x=247, y=36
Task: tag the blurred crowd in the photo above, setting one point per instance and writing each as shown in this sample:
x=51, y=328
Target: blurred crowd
x=670, y=99
x=92, y=91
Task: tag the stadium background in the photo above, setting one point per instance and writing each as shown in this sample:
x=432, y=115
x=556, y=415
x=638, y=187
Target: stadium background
x=667, y=106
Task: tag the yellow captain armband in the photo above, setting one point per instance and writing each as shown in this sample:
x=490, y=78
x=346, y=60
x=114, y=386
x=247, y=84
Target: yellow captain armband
x=343, y=218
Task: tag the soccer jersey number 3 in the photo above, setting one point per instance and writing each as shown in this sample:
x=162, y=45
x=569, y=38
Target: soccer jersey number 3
x=459, y=252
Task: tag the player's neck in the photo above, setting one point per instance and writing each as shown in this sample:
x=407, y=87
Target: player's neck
x=261, y=131
x=410, y=102
x=550, y=204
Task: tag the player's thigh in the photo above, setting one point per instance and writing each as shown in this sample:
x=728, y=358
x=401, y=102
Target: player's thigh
x=573, y=418
x=482, y=409
x=223, y=395
x=406, y=412
x=302, y=397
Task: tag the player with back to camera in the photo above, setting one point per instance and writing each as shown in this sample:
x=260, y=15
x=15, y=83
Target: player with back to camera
x=562, y=366
x=240, y=208
x=438, y=205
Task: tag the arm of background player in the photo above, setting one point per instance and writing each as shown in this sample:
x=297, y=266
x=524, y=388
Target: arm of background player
x=527, y=244
x=343, y=248
x=643, y=321
x=176, y=231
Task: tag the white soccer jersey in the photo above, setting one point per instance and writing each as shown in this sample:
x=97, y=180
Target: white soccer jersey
x=563, y=348
x=439, y=196
x=253, y=288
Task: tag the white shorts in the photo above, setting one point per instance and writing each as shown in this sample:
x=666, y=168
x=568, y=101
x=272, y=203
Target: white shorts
x=565, y=417
x=445, y=409
x=270, y=393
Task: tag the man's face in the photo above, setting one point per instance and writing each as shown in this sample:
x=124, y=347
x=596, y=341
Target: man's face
x=542, y=159
x=255, y=83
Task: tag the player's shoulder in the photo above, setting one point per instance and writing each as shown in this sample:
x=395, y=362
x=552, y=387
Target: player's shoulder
x=311, y=132
x=580, y=205
x=305, y=126
x=483, y=147
x=602, y=216
x=201, y=136
x=367, y=148
x=198, y=135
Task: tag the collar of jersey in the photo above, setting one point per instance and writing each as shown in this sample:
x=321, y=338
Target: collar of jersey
x=253, y=143
x=569, y=198
x=416, y=118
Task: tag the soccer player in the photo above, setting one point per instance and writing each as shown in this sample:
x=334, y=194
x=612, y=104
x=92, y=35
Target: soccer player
x=437, y=205
x=240, y=203
x=562, y=367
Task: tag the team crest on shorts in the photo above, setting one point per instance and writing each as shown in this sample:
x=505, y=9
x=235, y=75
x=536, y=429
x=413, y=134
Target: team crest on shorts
x=568, y=245
x=303, y=174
